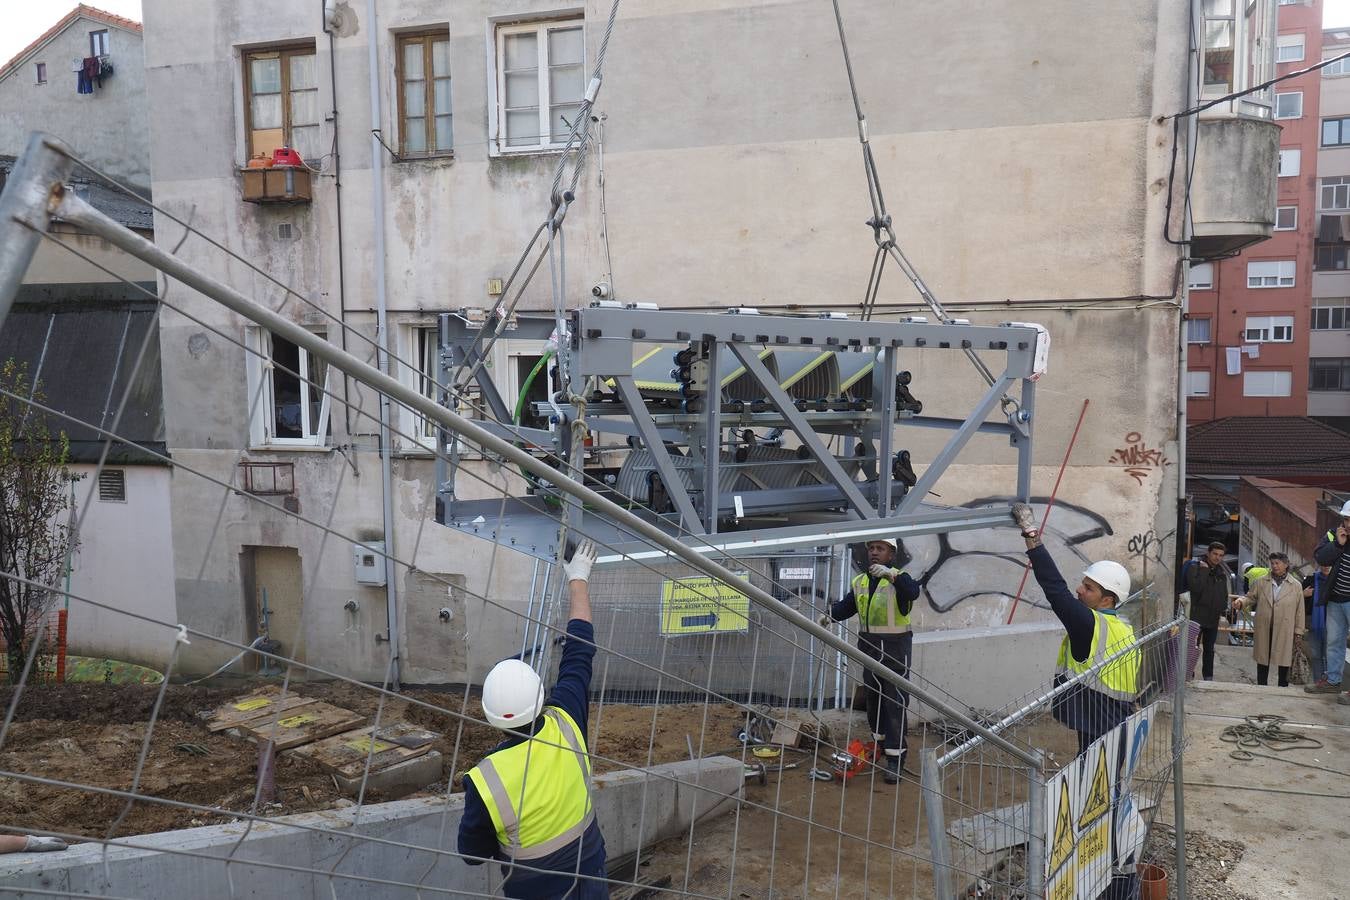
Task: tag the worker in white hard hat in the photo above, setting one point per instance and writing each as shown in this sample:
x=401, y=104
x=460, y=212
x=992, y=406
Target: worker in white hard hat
x=1094, y=633
x=882, y=598
x=528, y=803
x=1331, y=551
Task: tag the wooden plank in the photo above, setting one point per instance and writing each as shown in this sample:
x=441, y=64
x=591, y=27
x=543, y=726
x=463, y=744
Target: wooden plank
x=305, y=725
x=345, y=754
x=260, y=704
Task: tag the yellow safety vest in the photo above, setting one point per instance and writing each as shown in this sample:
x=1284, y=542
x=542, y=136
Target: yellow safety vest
x=1119, y=679
x=553, y=808
x=1256, y=572
x=879, y=613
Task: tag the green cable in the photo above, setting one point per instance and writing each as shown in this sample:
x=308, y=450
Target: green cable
x=528, y=383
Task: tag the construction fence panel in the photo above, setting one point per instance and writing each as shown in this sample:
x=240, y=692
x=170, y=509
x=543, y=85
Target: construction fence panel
x=1078, y=825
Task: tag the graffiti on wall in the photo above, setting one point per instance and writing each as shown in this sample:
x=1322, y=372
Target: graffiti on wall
x=1138, y=459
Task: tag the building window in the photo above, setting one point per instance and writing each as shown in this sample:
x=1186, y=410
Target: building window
x=424, y=94
x=1270, y=273
x=1197, y=383
x=1239, y=54
x=1289, y=105
x=1329, y=374
x=1331, y=257
x=1289, y=163
x=1289, y=48
x=41, y=73
x=541, y=81
x=1198, y=331
x=112, y=486
x=1335, y=193
x=282, y=90
x=1286, y=218
x=1201, y=277
x=291, y=388
x=1336, y=132
x=1331, y=315
x=1269, y=329
x=1339, y=67
x=1269, y=383
x=98, y=43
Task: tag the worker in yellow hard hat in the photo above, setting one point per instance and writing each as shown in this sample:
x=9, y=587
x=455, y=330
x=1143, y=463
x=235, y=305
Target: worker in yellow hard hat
x=528, y=803
x=882, y=597
x=1094, y=633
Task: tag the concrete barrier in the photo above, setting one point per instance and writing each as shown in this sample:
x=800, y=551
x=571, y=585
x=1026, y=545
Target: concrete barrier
x=988, y=667
x=276, y=859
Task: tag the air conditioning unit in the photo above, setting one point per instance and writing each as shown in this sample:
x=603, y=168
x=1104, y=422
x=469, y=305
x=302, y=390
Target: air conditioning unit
x=368, y=563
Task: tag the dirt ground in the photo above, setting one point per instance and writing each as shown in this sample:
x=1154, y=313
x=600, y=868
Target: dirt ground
x=92, y=735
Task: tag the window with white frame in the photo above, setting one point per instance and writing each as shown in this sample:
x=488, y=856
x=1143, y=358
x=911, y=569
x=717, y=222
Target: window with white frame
x=1199, y=331
x=1329, y=374
x=1334, y=194
x=1269, y=329
x=419, y=366
x=1289, y=48
x=541, y=81
x=1201, y=277
x=1289, y=162
x=1267, y=383
x=98, y=42
x=291, y=390
x=1197, y=383
x=1339, y=67
x=1270, y=273
x=1286, y=218
x=1289, y=105
x=1331, y=315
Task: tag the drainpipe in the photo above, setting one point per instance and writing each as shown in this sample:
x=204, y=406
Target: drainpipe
x=329, y=22
x=382, y=335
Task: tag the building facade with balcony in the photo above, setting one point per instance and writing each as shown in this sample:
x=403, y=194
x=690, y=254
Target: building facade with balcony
x=1329, y=322
x=1247, y=327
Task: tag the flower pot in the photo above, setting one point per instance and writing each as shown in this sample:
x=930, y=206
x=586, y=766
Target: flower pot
x=1152, y=882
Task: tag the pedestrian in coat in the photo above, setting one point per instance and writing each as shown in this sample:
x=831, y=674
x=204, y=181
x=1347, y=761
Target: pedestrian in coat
x=1277, y=599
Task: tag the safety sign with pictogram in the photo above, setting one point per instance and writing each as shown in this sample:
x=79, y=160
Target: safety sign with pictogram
x=703, y=605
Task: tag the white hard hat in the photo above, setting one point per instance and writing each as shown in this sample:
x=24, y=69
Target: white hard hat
x=890, y=541
x=1246, y=566
x=1111, y=576
x=1345, y=509
x=512, y=695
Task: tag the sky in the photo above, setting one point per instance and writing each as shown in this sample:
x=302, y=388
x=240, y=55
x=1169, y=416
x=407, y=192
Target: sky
x=26, y=19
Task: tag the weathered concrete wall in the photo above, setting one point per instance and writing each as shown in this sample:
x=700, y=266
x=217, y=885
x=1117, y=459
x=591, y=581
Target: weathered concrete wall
x=733, y=163
x=107, y=127
x=56, y=265
x=123, y=561
x=417, y=845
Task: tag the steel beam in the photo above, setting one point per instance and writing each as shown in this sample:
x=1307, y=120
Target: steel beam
x=81, y=213
x=660, y=455
x=885, y=419
x=749, y=357
x=37, y=181
x=712, y=442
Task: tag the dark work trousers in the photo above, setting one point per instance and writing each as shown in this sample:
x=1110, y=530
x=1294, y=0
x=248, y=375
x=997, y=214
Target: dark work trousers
x=886, y=703
x=1208, y=635
x=1263, y=675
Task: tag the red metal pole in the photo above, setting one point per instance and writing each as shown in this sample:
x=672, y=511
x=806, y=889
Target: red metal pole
x=1026, y=570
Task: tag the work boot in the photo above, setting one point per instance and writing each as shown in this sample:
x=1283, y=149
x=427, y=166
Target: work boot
x=1344, y=699
x=892, y=771
x=1323, y=687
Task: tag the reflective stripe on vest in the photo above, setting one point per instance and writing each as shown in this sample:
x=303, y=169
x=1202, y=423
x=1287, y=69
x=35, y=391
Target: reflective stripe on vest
x=1110, y=635
x=555, y=803
x=878, y=614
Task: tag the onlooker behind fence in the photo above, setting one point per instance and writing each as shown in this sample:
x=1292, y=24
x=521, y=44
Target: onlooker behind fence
x=1251, y=572
x=1093, y=633
x=1277, y=599
x=1331, y=551
x=1315, y=632
x=1209, y=581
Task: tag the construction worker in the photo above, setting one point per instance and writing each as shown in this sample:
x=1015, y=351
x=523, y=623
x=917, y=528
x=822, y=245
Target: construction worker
x=1105, y=698
x=528, y=803
x=1331, y=552
x=1251, y=572
x=882, y=598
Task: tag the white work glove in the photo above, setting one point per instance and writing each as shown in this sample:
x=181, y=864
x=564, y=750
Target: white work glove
x=44, y=844
x=579, y=568
x=1025, y=518
x=880, y=571
x=826, y=621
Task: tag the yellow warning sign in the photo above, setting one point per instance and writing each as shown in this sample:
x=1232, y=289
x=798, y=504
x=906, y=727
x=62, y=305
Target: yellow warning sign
x=362, y=745
x=255, y=703
x=703, y=605
x=1064, y=886
x=1098, y=801
x=1061, y=847
x=297, y=721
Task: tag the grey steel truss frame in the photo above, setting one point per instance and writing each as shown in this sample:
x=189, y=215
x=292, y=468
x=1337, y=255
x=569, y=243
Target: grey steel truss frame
x=702, y=514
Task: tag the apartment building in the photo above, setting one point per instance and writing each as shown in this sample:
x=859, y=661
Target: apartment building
x=1329, y=324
